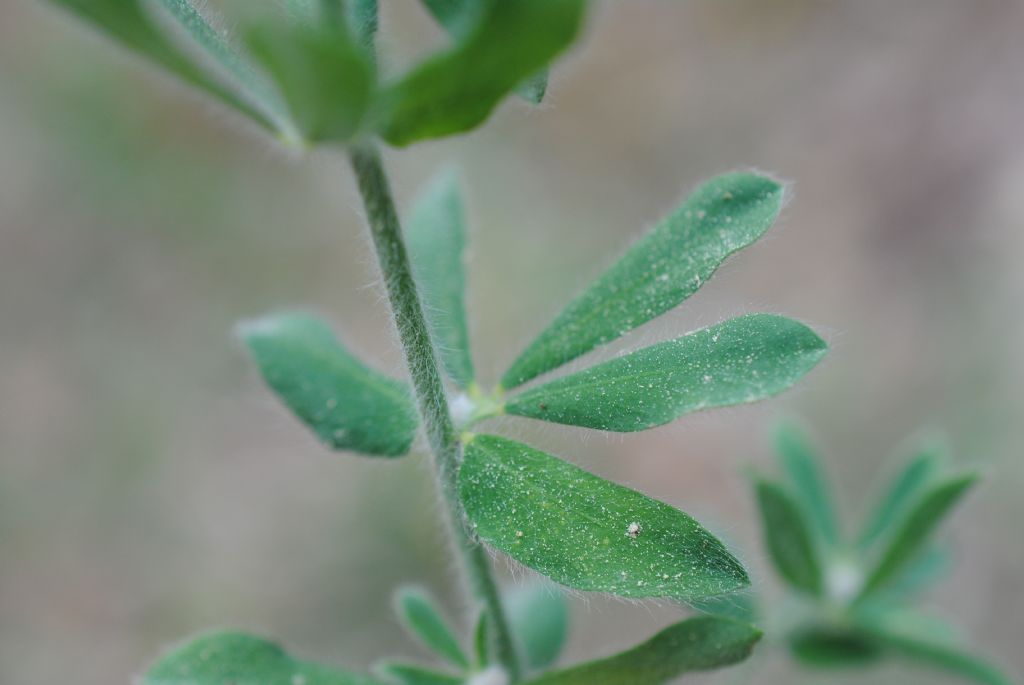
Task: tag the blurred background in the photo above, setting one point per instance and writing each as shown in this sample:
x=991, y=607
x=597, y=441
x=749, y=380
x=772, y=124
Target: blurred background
x=151, y=487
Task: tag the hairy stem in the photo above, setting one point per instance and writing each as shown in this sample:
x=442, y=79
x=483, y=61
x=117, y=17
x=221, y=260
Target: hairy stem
x=428, y=387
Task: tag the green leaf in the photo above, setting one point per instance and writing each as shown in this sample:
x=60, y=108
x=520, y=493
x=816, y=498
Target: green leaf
x=907, y=485
x=826, y=646
x=348, y=405
x=482, y=640
x=408, y=674
x=363, y=21
x=585, y=532
x=534, y=88
x=128, y=22
x=456, y=90
x=803, y=466
x=697, y=644
x=742, y=360
x=539, y=617
x=788, y=537
x=929, y=564
x=913, y=531
x=924, y=640
x=740, y=606
x=422, y=619
x=322, y=74
x=239, y=659
x=437, y=243
x=458, y=17
x=664, y=268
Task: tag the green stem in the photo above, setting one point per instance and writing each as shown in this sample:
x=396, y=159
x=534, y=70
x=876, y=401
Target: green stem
x=429, y=390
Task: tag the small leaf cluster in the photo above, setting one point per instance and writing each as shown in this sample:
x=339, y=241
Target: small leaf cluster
x=539, y=621
x=578, y=529
x=858, y=589
x=313, y=77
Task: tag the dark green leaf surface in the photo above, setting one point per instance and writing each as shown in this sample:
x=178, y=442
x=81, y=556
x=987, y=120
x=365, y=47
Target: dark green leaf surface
x=742, y=360
x=788, y=537
x=422, y=619
x=697, y=644
x=907, y=485
x=920, y=641
x=348, y=405
x=913, y=531
x=458, y=17
x=585, y=532
x=661, y=270
x=239, y=659
x=929, y=564
x=540, y=621
x=803, y=467
x=824, y=646
x=437, y=243
x=322, y=74
x=130, y=23
x=408, y=674
x=456, y=90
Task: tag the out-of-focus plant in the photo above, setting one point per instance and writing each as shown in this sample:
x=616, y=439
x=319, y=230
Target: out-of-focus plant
x=313, y=78
x=853, y=592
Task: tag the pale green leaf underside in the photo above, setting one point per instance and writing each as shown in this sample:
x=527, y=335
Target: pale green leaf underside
x=919, y=640
x=664, y=268
x=788, y=537
x=322, y=74
x=130, y=23
x=347, y=404
x=239, y=659
x=697, y=644
x=913, y=531
x=742, y=360
x=539, y=618
x=585, y=532
x=803, y=467
x=906, y=486
x=456, y=90
x=437, y=243
x=422, y=619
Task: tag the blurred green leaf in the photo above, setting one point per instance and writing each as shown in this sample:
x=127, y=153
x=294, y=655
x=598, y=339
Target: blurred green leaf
x=925, y=640
x=456, y=90
x=409, y=674
x=585, y=532
x=132, y=25
x=803, y=466
x=914, y=529
x=742, y=360
x=907, y=485
x=788, y=537
x=740, y=606
x=482, y=640
x=664, y=268
x=458, y=17
x=539, y=617
x=825, y=646
x=929, y=564
x=322, y=74
x=239, y=659
x=363, y=21
x=437, y=243
x=697, y=644
x=422, y=619
x=348, y=405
